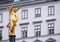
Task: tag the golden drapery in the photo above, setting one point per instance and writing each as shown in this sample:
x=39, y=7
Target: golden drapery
x=13, y=18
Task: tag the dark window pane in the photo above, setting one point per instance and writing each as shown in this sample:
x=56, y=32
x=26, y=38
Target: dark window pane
x=36, y=33
x=50, y=31
x=38, y=15
x=39, y=33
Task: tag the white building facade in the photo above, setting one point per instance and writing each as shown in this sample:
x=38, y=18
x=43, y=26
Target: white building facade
x=39, y=21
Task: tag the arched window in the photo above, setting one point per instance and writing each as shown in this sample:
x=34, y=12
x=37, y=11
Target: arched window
x=37, y=40
x=50, y=40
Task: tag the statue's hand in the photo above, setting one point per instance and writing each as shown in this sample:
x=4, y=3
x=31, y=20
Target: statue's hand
x=8, y=8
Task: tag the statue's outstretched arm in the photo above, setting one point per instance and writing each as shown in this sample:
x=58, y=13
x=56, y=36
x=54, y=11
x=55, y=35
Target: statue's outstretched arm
x=8, y=8
x=17, y=8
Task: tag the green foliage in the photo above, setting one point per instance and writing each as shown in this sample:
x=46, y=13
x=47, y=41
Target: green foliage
x=0, y=37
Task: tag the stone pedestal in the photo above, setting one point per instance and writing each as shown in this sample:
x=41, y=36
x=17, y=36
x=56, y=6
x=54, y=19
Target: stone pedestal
x=12, y=38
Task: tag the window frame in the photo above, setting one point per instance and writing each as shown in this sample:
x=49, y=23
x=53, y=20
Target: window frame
x=37, y=30
x=36, y=15
x=24, y=15
x=51, y=8
x=51, y=28
x=23, y=35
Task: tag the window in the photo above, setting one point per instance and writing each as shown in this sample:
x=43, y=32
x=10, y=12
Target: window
x=37, y=30
x=24, y=14
x=51, y=28
x=1, y=17
x=24, y=31
x=37, y=12
x=51, y=10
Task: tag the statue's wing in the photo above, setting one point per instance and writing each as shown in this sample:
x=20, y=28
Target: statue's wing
x=8, y=8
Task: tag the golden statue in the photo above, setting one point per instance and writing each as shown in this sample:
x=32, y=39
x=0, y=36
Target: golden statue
x=13, y=18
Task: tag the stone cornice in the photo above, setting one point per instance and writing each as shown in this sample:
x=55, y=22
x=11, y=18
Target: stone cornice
x=24, y=3
x=24, y=23
x=57, y=34
x=49, y=20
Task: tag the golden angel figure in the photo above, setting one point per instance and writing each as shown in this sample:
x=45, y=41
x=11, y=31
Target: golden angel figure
x=13, y=18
